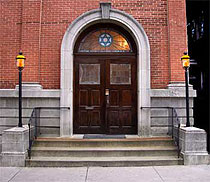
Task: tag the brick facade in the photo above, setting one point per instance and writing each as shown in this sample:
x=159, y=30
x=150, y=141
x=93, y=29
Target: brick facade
x=37, y=28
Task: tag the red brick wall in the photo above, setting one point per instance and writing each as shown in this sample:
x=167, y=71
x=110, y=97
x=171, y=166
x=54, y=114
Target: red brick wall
x=9, y=41
x=177, y=38
x=41, y=40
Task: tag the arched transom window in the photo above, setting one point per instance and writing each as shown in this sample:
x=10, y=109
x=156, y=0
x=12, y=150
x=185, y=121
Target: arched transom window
x=105, y=40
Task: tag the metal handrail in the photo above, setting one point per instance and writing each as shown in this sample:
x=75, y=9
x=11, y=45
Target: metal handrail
x=175, y=124
x=34, y=125
x=33, y=120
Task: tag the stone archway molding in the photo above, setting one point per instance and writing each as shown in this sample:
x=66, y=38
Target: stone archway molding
x=105, y=14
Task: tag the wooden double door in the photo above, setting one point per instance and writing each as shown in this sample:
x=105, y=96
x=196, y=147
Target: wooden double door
x=105, y=95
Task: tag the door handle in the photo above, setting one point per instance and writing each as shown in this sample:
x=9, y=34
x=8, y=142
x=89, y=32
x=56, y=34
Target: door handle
x=107, y=96
x=107, y=92
x=107, y=100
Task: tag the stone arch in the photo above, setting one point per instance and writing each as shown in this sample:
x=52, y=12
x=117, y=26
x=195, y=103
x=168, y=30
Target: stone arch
x=143, y=64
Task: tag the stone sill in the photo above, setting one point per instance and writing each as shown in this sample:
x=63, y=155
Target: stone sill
x=171, y=93
x=43, y=93
x=55, y=93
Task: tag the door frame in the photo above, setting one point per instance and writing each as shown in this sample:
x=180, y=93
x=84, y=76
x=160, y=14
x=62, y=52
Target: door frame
x=143, y=66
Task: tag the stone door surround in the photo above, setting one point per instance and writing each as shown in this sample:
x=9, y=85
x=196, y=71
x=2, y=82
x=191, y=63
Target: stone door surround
x=105, y=14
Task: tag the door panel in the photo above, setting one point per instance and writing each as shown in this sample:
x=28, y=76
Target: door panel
x=83, y=97
x=127, y=98
x=95, y=98
x=114, y=98
x=88, y=96
x=121, y=110
x=83, y=119
x=95, y=118
x=113, y=117
x=127, y=118
x=105, y=96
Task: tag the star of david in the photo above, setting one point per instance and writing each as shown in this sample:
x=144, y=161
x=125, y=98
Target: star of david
x=105, y=39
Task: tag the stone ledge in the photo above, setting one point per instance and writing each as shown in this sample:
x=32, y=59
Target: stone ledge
x=174, y=85
x=192, y=129
x=30, y=86
x=173, y=90
x=17, y=129
x=14, y=153
x=44, y=93
x=171, y=93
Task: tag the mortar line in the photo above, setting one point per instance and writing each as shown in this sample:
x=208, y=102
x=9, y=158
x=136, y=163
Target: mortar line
x=15, y=175
x=86, y=174
x=158, y=174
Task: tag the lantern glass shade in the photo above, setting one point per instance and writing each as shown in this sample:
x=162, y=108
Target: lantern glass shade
x=185, y=60
x=20, y=60
x=186, y=63
x=20, y=63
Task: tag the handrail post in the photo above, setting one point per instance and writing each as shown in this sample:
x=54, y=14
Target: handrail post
x=172, y=117
x=29, y=149
x=38, y=122
x=35, y=123
x=178, y=140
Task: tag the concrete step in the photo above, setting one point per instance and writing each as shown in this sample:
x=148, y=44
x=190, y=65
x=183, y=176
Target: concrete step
x=68, y=152
x=136, y=142
x=102, y=161
x=103, y=152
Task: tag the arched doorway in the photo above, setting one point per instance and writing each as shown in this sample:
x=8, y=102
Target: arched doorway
x=138, y=34
x=105, y=84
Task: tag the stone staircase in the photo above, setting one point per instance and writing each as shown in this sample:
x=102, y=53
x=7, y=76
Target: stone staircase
x=60, y=152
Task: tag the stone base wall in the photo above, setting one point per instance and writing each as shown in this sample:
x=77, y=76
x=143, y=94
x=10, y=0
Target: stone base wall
x=32, y=97
x=173, y=96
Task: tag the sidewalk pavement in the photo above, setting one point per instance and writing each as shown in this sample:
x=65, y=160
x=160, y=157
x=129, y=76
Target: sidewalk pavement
x=107, y=174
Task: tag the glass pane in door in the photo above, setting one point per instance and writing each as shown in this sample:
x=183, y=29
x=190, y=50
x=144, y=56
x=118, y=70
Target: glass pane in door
x=89, y=74
x=120, y=74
